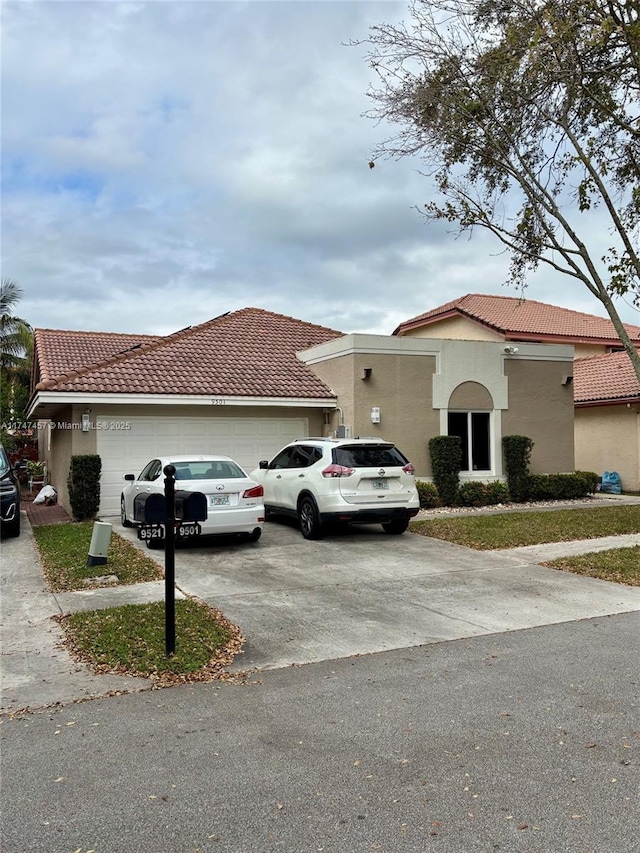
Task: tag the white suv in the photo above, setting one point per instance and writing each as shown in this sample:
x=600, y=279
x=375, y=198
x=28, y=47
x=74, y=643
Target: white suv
x=335, y=481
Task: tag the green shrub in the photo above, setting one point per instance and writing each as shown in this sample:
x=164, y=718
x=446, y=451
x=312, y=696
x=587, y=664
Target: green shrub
x=482, y=494
x=446, y=458
x=428, y=494
x=555, y=487
x=472, y=494
x=592, y=479
x=497, y=493
x=83, y=483
x=517, y=455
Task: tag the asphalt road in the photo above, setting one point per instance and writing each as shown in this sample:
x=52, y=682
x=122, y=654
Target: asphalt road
x=522, y=741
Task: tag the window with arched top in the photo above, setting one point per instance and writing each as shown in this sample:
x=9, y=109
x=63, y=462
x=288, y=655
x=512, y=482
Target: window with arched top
x=469, y=417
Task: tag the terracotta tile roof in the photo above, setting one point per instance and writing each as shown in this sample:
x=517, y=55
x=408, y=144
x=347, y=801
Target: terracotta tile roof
x=59, y=352
x=524, y=319
x=251, y=352
x=604, y=378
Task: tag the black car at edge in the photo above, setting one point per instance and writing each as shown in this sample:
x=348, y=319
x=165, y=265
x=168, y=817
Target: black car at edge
x=9, y=497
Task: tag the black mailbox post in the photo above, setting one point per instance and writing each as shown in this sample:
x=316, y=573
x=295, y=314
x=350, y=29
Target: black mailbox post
x=154, y=512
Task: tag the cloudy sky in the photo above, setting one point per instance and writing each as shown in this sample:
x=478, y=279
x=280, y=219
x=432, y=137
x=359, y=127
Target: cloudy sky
x=166, y=162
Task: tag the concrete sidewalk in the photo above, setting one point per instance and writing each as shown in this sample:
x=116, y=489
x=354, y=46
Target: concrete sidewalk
x=301, y=602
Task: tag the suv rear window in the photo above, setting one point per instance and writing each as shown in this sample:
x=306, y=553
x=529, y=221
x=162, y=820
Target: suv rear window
x=368, y=456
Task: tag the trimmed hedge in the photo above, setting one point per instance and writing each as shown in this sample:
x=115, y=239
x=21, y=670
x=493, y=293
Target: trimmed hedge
x=428, y=494
x=446, y=459
x=83, y=483
x=483, y=494
x=592, y=480
x=554, y=487
x=517, y=455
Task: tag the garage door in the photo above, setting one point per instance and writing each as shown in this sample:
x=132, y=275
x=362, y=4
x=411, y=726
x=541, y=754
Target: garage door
x=247, y=440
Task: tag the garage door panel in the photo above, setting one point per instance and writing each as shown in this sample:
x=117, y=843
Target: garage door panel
x=248, y=440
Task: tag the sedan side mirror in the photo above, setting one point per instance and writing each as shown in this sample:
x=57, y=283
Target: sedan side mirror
x=129, y=477
x=264, y=464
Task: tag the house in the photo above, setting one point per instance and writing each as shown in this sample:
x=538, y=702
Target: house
x=249, y=381
x=606, y=389
x=607, y=416
x=232, y=385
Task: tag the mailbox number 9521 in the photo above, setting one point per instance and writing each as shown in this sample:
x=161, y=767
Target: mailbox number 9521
x=147, y=533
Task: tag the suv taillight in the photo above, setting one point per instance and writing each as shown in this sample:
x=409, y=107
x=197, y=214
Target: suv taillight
x=253, y=492
x=409, y=469
x=337, y=471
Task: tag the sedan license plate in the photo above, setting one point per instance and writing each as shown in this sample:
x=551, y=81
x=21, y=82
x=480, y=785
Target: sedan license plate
x=218, y=500
x=380, y=484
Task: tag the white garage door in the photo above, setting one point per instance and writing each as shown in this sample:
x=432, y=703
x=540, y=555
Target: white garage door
x=247, y=440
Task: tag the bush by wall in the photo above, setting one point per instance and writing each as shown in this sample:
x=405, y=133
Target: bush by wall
x=497, y=493
x=428, y=494
x=554, y=487
x=517, y=455
x=83, y=483
x=446, y=459
x=483, y=494
x=591, y=478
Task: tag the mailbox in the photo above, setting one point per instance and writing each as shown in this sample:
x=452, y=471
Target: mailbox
x=150, y=508
x=190, y=506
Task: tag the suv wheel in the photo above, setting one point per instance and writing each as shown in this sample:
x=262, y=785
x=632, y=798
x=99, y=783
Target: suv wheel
x=123, y=515
x=395, y=528
x=13, y=529
x=309, y=519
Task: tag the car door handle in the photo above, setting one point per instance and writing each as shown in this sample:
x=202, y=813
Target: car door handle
x=278, y=476
x=300, y=476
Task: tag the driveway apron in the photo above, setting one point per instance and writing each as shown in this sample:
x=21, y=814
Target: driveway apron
x=363, y=591
x=300, y=602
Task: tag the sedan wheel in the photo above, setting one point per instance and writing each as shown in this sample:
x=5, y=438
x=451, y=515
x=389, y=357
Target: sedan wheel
x=310, y=526
x=123, y=514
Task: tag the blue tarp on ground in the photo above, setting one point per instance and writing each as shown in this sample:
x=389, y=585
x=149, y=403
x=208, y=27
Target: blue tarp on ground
x=611, y=483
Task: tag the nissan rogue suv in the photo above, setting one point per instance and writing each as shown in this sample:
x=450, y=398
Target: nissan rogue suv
x=330, y=481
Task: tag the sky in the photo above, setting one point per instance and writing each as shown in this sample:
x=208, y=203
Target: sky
x=168, y=162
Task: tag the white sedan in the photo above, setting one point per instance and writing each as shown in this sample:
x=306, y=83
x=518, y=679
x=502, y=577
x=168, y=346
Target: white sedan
x=234, y=501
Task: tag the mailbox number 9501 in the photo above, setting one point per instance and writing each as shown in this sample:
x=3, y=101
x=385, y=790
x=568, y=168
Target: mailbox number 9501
x=190, y=528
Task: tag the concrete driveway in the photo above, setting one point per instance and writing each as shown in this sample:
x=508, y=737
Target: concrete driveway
x=302, y=602
x=363, y=591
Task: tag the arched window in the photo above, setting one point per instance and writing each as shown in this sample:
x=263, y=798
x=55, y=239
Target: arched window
x=469, y=417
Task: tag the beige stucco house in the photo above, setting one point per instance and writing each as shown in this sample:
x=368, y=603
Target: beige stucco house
x=605, y=387
x=480, y=390
x=607, y=417
x=246, y=383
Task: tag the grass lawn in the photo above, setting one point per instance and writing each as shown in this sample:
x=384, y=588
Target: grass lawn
x=514, y=529
x=621, y=565
x=64, y=549
x=131, y=640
